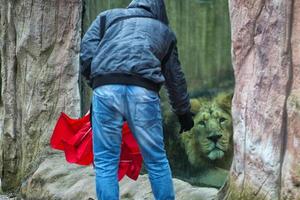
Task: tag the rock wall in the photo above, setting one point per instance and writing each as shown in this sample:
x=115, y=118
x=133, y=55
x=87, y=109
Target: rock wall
x=290, y=180
x=266, y=111
x=56, y=179
x=39, y=45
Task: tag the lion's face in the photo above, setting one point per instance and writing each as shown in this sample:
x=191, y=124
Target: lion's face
x=211, y=136
x=212, y=130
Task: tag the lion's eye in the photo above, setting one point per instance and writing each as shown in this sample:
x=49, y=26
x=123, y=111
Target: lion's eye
x=202, y=123
x=222, y=120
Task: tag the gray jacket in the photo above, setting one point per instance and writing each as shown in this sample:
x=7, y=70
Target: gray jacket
x=137, y=48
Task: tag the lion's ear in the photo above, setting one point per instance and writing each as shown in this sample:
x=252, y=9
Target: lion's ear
x=195, y=106
x=224, y=101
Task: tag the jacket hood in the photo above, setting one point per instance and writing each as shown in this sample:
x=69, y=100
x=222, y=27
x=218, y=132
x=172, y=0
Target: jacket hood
x=156, y=7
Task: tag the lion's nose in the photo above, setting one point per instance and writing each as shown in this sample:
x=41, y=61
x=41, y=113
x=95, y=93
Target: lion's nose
x=214, y=138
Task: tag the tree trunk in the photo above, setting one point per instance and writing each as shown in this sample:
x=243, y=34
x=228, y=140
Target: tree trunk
x=39, y=43
x=266, y=104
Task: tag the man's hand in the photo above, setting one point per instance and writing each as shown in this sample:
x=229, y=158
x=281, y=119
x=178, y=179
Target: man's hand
x=186, y=121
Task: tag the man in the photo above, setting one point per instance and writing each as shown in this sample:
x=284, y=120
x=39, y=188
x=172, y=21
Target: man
x=127, y=54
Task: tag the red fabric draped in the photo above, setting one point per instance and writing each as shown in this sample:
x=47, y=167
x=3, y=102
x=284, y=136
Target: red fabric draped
x=74, y=137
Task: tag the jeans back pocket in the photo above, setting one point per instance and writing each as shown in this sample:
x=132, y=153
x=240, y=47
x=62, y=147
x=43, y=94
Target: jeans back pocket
x=147, y=112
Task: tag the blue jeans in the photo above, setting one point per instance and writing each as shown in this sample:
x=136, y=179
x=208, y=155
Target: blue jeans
x=112, y=104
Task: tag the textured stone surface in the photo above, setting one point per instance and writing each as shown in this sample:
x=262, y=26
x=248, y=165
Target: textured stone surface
x=39, y=45
x=141, y=189
x=5, y=197
x=265, y=42
x=291, y=163
x=56, y=179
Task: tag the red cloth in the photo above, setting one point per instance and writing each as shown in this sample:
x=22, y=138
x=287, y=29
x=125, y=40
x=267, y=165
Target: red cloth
x=74, y=137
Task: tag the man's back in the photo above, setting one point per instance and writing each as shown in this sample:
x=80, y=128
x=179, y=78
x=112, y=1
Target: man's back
x=137, y=48
x=136, y=45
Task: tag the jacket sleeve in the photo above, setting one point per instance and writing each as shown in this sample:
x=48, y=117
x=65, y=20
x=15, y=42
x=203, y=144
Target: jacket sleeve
x=89, y=44
x=175, y=84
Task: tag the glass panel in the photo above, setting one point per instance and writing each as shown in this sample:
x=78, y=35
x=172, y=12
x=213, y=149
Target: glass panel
x=203, y=33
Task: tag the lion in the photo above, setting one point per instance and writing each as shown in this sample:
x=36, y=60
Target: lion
x=211, y=137
x=208, y=146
